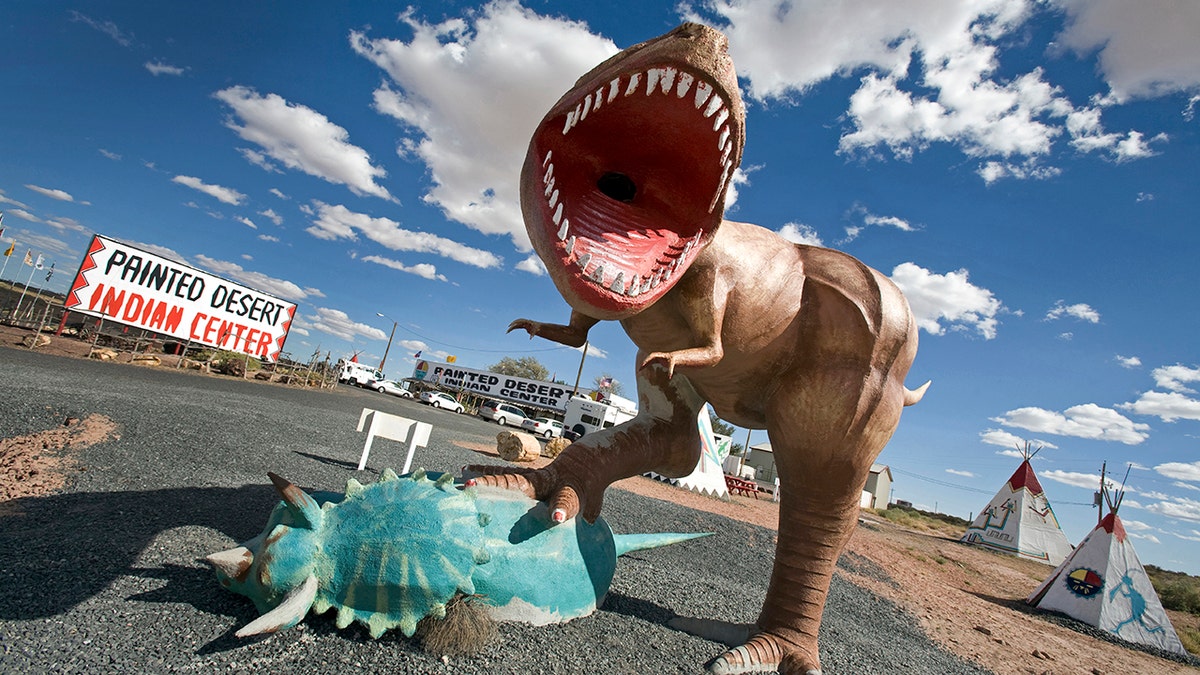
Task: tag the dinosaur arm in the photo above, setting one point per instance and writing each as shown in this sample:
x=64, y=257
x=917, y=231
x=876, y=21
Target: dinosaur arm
x=574, y=334
x=701, y=298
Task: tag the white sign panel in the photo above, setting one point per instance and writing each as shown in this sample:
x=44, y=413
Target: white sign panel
x=135, y=287
x=486, y=383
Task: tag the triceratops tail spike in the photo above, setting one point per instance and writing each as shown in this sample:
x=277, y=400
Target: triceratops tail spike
x=233, y=563
x=289, y=612
x=627, y=543
x=305, y=509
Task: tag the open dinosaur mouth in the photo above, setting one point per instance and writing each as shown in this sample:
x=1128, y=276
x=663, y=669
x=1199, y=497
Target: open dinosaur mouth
x=632, y=172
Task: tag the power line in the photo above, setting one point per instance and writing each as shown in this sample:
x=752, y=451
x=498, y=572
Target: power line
x=971, y=489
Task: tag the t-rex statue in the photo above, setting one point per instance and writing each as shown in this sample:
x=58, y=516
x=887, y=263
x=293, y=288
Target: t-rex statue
x=623, y=193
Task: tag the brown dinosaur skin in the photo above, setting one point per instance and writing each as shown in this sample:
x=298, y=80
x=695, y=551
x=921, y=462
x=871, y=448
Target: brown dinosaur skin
x=805, y=342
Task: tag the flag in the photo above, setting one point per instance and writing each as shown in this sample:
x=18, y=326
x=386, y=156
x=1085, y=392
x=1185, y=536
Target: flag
x=606, y=382
x=9, y=251
x=41, y=259
x=354, y=359
x=417, y=355
x=29, y=257
x=451, y=359
x=50, y=273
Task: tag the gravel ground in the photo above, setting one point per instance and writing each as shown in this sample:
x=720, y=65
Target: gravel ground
x=105, y=576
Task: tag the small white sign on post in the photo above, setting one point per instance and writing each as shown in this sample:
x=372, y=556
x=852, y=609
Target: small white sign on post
x=392, y=427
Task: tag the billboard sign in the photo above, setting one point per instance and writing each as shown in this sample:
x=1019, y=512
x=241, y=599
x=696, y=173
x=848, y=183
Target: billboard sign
x=486, y=383
x=123, y=283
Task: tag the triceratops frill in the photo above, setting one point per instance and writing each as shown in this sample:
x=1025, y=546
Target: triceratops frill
x=394, y=552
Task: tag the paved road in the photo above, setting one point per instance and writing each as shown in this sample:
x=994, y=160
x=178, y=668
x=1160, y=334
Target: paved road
x=106, y=577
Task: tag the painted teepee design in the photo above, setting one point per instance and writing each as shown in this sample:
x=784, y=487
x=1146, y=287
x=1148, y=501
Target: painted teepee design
x=1103, y=584
x=1019, y=520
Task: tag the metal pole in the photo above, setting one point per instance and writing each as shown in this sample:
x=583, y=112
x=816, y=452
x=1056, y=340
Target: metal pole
x=24, y=291
x=388, y=348
x=579, y=374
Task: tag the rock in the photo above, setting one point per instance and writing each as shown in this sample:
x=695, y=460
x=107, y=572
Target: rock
x=35, y=341
x=146, y=360
x=517, y=446
x=104, y=354
x=983, y=629
x=554, y=446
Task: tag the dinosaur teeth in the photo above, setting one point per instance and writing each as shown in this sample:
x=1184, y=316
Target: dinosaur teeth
x=703, y=91
x=660, y=78
x=570, y=246
x=720, y=119
x=613, y=88
x=583, y=260
x=549, y=175
x=685, y=83
x=633, y=83
x=554, y=199
x=723, y=137
x=558, y=213
x=549, y=154
x=714, y=104
x=562, y=231
x=549, y=186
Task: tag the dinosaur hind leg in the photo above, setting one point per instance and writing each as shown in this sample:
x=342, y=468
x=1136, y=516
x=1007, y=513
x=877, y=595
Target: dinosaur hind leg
x=824, y=441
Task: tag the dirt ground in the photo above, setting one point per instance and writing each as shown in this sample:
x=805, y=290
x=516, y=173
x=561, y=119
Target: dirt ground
x=967, y=599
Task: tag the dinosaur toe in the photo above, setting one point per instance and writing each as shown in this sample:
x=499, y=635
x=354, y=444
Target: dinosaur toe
x=763, y=653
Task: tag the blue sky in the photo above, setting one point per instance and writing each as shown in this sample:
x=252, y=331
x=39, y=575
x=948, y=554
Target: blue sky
x=1025, y=171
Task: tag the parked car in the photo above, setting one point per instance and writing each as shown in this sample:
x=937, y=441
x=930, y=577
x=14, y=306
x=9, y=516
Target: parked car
x=502, y=413
x=543, y=426
x=389, y=387
x=440, y=400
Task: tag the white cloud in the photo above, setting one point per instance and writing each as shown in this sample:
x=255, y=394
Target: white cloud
x=24, y=215
x=929, y=71
x=1081, y=480
x=338, y=222
x=510, y=57
x=1081, y=311
x=1006, y=439
x=1180, y=471
x=869, y=219
x=1082, y=421
x=533, y=265
x=267, y=237
x=1145, y=537
x=420, y=269
x=247, y=222
x=1173, y=378
x=66, y=224
x=60, y=195
x=107, y=27
x=223, y=194
x=157, y=68
x=1129, y=361
x=800, y=233
x=1178, y=507
x=302, y=139
x=110, y=154
x=270, y=215
x=337, y=323
x=5, y=199
x=949, y=298
x=1168, y=406
x=957, y=472
x=1145, y=49
x=279, y=194
x=256, y=280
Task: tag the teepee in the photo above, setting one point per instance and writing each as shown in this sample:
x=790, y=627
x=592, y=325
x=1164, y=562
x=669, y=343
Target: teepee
x=1019, y=520
x=1103, y=584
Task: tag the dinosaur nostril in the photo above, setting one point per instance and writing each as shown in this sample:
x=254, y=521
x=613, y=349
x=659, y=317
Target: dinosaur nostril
x=617, y=186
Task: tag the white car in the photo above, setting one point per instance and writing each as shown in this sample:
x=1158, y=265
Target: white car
x=390, y=387
x=441, y=401
x=543, y=426
x=502, y=413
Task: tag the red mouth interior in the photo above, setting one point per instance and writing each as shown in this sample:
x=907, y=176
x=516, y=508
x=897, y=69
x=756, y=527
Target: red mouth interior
x=631, y=188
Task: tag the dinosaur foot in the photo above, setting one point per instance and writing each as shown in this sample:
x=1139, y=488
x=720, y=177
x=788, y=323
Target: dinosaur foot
x=753, y=651
x=541, y=484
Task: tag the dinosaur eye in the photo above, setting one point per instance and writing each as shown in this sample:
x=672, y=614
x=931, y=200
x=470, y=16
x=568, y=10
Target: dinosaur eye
x=617, y=186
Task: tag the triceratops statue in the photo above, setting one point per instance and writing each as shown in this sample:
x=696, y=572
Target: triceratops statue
x=394, y=552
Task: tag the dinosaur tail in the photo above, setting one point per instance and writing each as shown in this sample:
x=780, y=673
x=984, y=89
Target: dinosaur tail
x=627, y=543
x=914, y=396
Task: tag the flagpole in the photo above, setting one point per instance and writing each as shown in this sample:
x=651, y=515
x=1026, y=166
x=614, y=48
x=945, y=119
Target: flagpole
x=23, y=291
x=7, y=255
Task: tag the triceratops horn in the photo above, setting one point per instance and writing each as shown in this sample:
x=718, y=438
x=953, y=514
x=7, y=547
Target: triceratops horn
x=289, y=612
x=234, y=563
x=303, y=507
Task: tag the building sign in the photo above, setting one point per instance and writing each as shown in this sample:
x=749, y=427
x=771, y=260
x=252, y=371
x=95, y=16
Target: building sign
x=125, y=284
x=485, y=383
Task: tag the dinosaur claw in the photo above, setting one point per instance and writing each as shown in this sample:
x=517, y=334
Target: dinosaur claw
x=559, y=516
x=470, y=482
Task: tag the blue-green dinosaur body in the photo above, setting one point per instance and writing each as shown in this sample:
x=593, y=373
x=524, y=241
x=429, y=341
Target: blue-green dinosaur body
x=394, y=552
